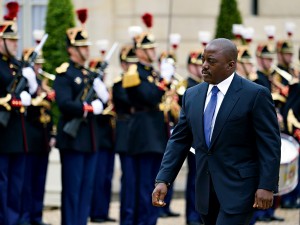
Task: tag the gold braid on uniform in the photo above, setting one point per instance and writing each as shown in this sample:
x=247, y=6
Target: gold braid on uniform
x=131, y=78
x=62, y=68
x=4, y=102
x=292, y=121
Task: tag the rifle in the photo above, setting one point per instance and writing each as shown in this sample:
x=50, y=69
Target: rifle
x=20, y=81
x=71, y=128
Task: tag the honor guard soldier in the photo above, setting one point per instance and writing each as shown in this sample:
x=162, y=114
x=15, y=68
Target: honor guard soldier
x=41, y=138
x=265, y=56
x=245, y=65
x=105, y=157
x=291, y=115
x=291, y=110
x=285, y=53
x=79, y=106
x=171, y=109
x=122, y=106
x=17, y=84
x=147, y=133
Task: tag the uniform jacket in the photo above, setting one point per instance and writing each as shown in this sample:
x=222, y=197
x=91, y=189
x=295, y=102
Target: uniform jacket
x=13, y=136
x=147, y=130
x=68, y=85
x=38, y=132
x=263, y=80
x=122, y=107
x=244, y=154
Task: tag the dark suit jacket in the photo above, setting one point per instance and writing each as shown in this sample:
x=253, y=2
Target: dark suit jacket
x=245, y=147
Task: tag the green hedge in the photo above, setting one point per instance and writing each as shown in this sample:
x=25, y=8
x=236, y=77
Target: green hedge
x=229, y=14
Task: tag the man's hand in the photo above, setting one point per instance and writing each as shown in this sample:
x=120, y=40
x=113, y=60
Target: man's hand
x=158, y=195
x=167, y=70
x=263, y=199
x=29, y=74
x=101, y=90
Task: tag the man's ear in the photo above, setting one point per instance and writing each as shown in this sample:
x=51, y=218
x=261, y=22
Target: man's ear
x=231, y=65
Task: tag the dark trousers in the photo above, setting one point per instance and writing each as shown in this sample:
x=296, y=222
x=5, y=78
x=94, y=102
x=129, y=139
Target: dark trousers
x=102, y=184
x=78, y=170
x=147, y=166
x=217, y=216
x=128, y=190
x=34, y=187
x=12, y=168
x=190, y=210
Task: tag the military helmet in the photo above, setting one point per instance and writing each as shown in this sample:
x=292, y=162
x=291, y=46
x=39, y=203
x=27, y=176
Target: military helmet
x=9, y=28
x=244, y=55
x=284, y=46
x=195, y=57
x=78, y=36
x=263, y=51
x=27, y=52
x=127, y=54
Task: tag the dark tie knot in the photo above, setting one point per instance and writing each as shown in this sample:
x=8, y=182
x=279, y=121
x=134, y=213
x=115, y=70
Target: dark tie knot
x=215, y=90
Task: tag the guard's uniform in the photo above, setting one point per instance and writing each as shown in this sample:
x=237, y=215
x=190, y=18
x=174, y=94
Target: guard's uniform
x=13, y=140
x=39, y=127
x=264, y=78
x=78, y=154
x=122, y=107
x=105, y=165
x=291, y=115
x=147, y=139
x=192, y=216
x=147, y=133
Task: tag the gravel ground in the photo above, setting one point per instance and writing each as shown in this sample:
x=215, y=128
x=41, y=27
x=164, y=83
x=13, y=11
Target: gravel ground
x=292, y=217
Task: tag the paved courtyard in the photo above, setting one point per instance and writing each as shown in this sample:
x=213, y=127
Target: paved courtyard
x=291, y=216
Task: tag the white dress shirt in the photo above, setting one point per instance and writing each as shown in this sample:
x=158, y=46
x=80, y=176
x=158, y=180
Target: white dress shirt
x=223, y=88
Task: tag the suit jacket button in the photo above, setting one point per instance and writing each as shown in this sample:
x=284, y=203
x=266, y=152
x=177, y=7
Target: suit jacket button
x=209, y=153
x=207, y=172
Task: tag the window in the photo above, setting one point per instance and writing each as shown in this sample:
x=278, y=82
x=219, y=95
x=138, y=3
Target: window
x=31, y=16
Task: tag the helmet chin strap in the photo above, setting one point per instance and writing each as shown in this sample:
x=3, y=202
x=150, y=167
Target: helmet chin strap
x=284, y=60
x=80, y=54
x=148, y=57
x=245, y=69
x=264, y=65
x=6, y=49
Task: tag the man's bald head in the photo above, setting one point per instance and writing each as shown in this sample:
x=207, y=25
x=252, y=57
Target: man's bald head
x=219, y=60
x=226, y=46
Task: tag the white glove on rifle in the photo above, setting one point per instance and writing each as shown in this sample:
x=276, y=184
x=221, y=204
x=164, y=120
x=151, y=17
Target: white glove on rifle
x=29, y=74
x=97, y=106
x=100, y=90
x=167, y=70
x=25, y=98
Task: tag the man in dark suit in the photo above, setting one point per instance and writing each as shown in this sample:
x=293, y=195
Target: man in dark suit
x=232, y=124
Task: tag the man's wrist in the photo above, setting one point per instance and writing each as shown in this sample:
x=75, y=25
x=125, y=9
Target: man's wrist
x=163, y=182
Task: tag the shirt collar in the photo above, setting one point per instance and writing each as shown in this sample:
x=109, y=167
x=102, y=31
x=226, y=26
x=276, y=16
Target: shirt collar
x=223, y=86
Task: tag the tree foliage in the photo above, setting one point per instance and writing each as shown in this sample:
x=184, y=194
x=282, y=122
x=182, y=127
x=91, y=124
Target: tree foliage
x=229, y=15
x=60, y=17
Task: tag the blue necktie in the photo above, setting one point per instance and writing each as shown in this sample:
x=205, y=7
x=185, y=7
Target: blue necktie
x=209, y=114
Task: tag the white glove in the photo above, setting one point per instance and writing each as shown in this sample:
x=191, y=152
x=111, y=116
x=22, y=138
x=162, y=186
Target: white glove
x=97, y=106
x=29, y=74
x=25, y=98
x=100, y=90
x=167, y=70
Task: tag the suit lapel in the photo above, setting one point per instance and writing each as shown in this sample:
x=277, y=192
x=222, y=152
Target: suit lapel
x=229, y=101
x=199, y=108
